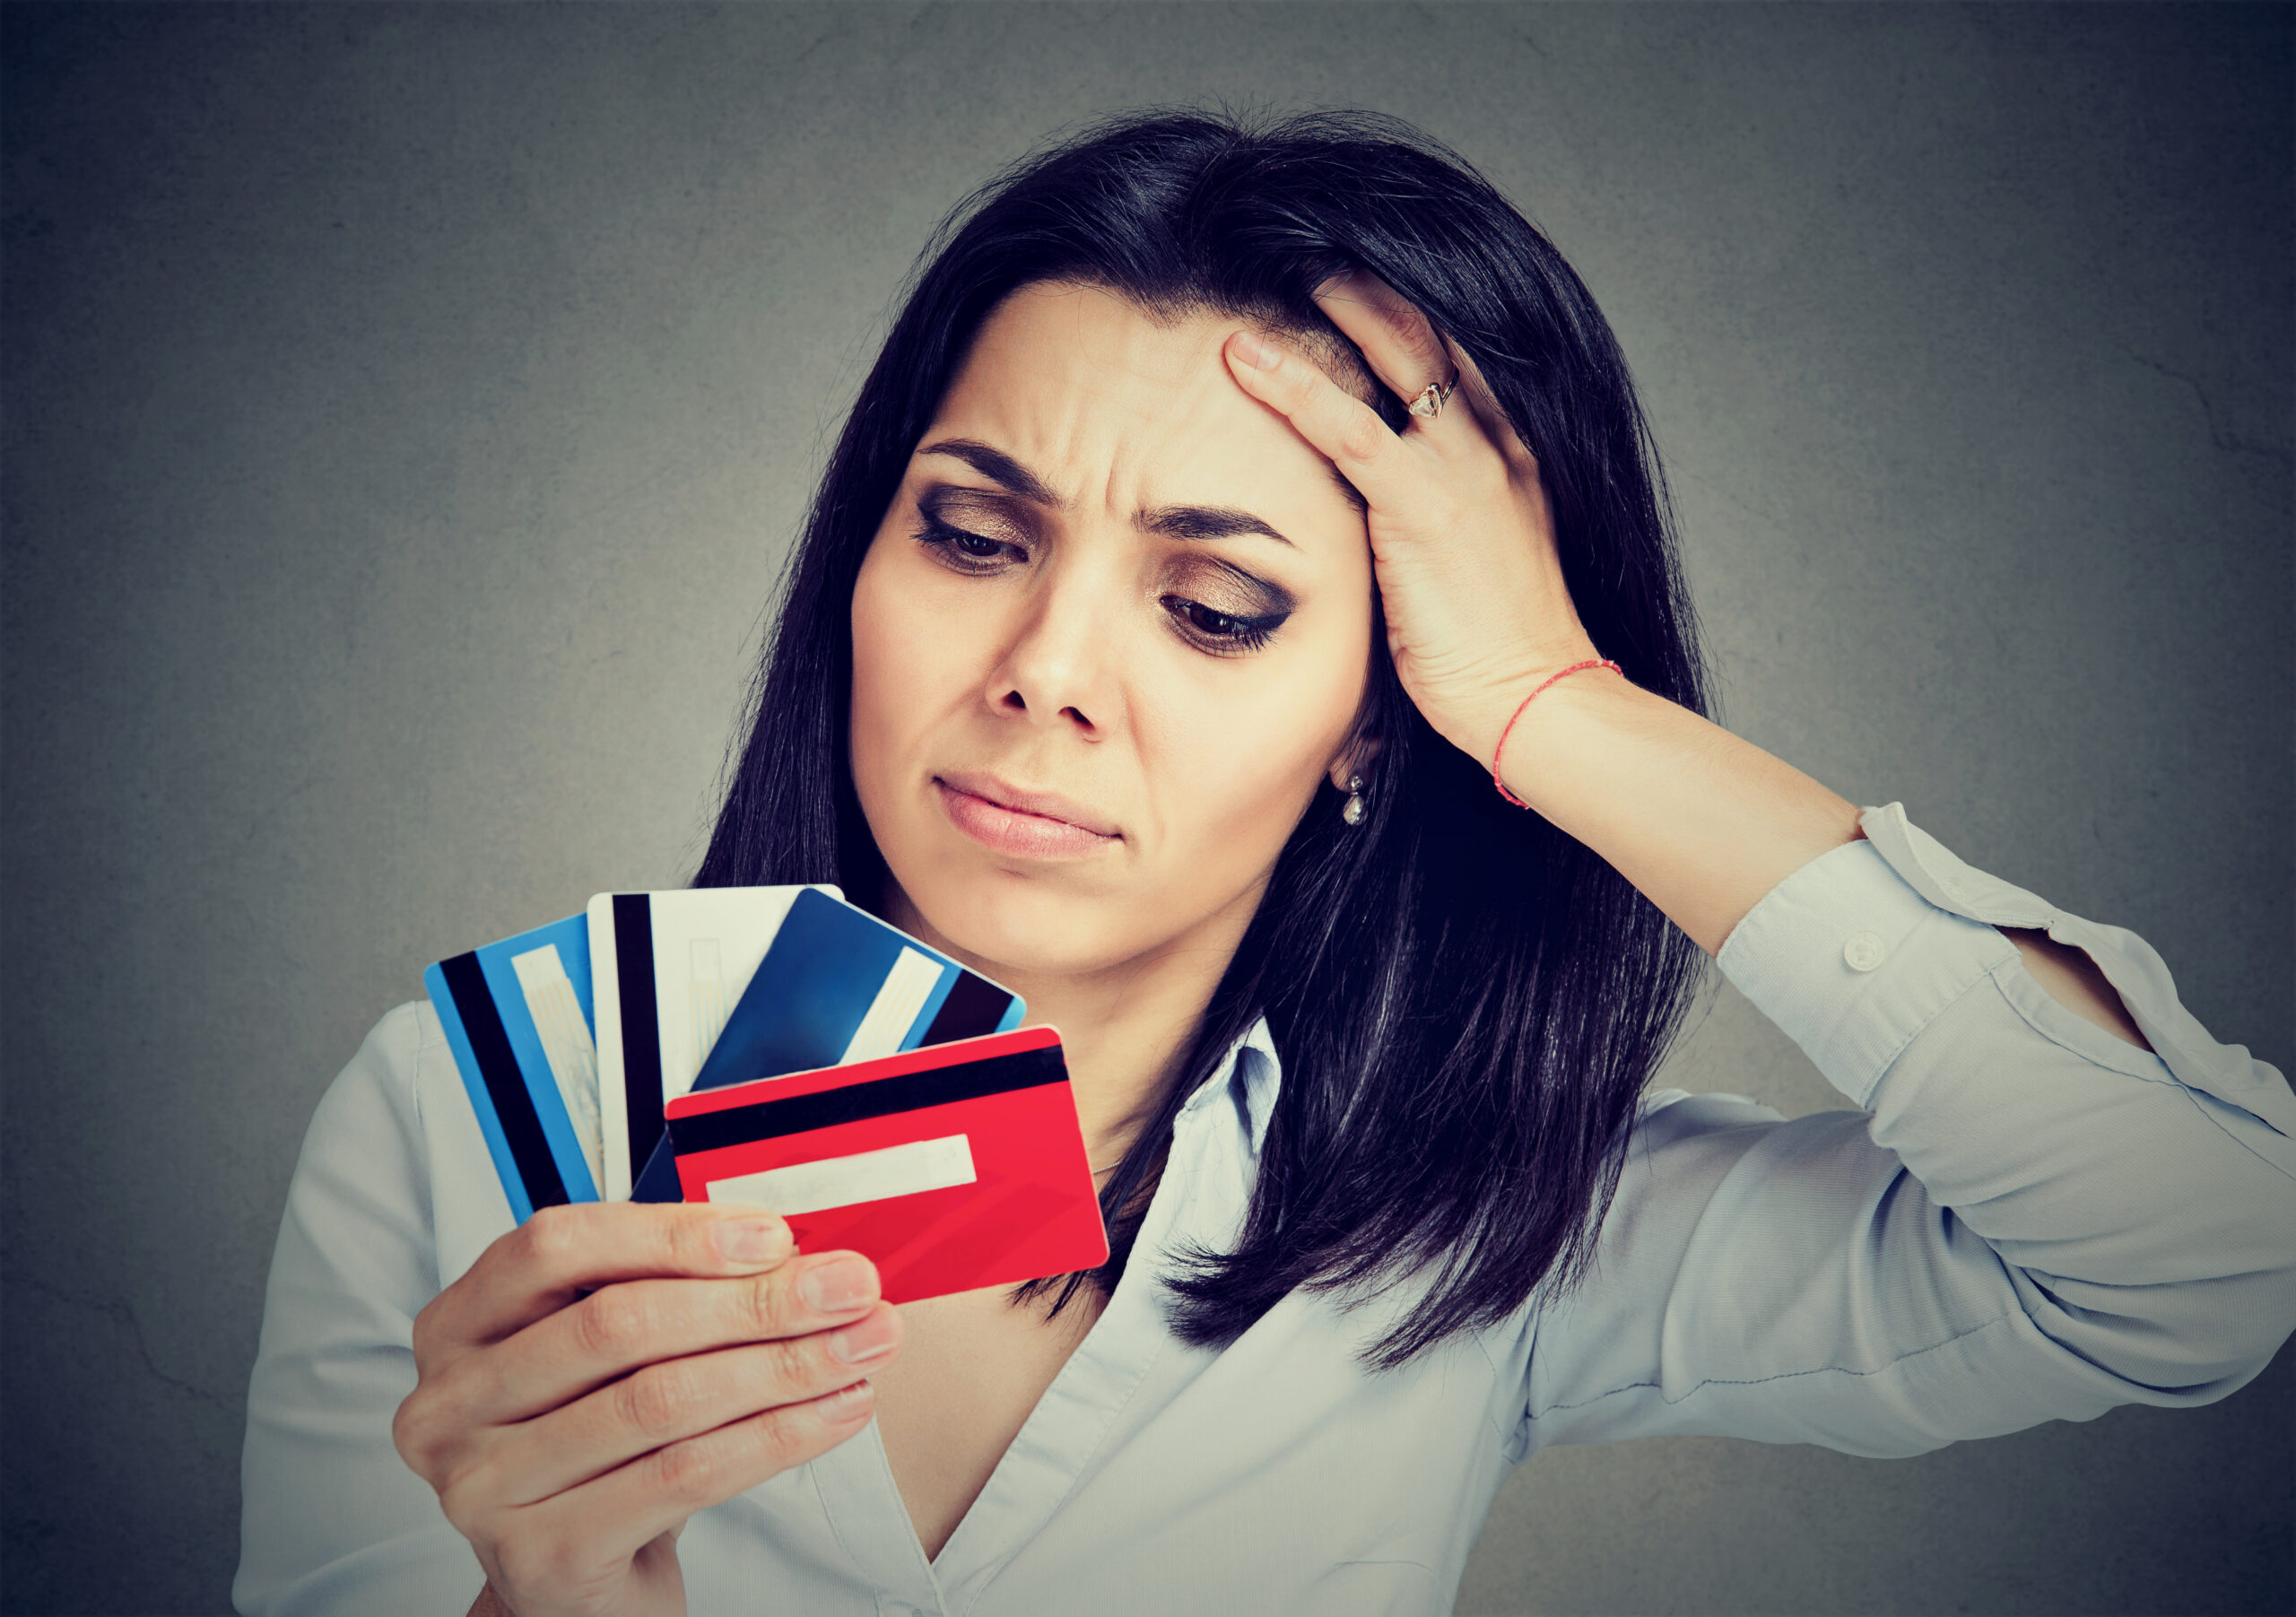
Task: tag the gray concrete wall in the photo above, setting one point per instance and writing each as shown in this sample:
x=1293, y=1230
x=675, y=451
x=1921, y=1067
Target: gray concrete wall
x=406, y=411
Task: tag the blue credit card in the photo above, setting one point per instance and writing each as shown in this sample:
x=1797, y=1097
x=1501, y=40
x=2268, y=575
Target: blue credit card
x=517, y=1016
x=839, y=986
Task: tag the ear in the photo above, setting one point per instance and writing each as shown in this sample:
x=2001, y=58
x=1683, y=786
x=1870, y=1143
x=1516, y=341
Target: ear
x=1357, y=758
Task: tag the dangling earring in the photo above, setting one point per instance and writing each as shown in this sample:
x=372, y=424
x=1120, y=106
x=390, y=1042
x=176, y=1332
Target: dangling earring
x=1352, y=811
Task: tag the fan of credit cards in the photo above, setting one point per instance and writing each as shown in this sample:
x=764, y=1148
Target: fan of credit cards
x=778, y=1047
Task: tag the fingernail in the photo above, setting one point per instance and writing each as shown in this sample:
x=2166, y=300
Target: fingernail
x=871, y=1338
x=752, y=1240
x=846, y=1283
x=841, y=1407
x=1258, y=355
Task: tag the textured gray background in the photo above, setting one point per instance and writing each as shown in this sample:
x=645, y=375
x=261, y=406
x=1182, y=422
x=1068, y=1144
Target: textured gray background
x=406, y=411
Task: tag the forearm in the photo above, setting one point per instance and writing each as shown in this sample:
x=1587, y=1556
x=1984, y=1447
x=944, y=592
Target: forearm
x=1702, y=822
x=2143, y=1209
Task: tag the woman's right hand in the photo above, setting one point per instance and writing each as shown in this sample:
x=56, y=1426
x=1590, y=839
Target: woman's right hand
x=606, y=1369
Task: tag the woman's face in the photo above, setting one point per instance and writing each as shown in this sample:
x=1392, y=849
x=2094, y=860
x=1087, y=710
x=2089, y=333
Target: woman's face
x=1113, y=631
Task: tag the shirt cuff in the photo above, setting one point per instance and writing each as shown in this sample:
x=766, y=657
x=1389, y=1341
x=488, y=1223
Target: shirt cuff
x=1851, y=961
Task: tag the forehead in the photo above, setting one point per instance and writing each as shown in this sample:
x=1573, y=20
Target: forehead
x=1103, y=400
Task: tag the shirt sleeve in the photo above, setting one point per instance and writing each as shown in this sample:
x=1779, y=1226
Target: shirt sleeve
x=331, y=1520
x=2028, y=1218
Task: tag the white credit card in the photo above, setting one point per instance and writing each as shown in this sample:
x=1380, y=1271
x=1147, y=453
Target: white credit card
x=693, y=951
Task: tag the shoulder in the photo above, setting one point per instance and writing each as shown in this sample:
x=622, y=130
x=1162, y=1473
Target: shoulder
x=1689, y=1155
x=1677, y=1135
x=394, y=1142
x=365, y=1147
x=378, y=1085
x=382, y=1085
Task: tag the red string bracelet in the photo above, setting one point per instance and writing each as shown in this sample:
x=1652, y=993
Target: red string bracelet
x=1500, y=750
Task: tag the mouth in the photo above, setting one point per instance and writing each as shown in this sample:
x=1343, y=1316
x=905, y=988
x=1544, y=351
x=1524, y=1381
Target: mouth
x=1021, y=823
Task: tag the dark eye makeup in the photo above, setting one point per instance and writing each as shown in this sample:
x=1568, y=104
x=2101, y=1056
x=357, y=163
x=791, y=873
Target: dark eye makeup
x=967, y=552
x=1219, y=630
x=951, y=524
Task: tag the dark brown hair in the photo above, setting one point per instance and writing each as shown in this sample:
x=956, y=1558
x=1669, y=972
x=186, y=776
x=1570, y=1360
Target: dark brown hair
x=1466, y=1002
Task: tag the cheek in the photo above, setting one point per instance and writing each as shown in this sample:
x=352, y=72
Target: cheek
x=878, y=670
x=1236, y=764
x=880, y=653
x=910, y=655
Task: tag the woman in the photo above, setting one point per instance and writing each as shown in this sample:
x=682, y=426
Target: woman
x=1239, y=615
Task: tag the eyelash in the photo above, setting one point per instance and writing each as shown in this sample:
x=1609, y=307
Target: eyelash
x=1226, y=634
x=940, y=536
x=1241, y=635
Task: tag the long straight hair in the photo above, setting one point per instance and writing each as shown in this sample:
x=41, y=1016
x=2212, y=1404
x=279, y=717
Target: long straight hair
x=1466, y=1002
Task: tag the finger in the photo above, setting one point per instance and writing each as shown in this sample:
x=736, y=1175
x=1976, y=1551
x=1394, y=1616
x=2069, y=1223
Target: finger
x=620, y=1327
x=1341, y=428
x=675, y=1399
x=1408, y=353
x=562, y=1251
x=1396, y=338
x=583, y=1536
x=1475, y=392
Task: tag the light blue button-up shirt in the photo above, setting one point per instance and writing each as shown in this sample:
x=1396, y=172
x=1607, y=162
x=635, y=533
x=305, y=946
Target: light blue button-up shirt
x=2025, y=1220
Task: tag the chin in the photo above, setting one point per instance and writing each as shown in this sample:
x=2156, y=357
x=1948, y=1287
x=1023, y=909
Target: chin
x=1012, y=925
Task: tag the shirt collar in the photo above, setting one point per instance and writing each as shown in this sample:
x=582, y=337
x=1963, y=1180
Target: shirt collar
x=1248, y=1080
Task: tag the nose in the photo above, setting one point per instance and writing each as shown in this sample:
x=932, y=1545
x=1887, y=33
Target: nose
x=1058, y=671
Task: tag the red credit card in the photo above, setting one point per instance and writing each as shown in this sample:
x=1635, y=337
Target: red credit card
x=952, y=1167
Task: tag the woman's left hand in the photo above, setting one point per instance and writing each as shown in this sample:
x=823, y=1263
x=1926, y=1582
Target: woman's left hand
x=1462, y=542
x=1478, y=616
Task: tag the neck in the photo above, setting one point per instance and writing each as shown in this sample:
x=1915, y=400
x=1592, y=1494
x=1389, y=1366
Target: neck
x=1124, y=1027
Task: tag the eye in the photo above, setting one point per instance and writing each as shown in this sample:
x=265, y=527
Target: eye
x=966, y=552
x=1220, y=632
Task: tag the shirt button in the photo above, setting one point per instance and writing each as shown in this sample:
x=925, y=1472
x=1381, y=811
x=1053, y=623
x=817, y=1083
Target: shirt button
x=1863, y=951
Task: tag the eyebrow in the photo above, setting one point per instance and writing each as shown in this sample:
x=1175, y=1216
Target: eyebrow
x=1172, y=521
x=998, y=467
x=1204, y=522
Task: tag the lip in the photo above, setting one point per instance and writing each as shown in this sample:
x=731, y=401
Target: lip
x=1027, y=824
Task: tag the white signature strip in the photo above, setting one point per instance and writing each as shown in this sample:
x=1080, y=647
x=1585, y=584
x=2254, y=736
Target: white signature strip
x=868, y=1176
x=899, y=1000
x=567, y=1045
x=711, y=1004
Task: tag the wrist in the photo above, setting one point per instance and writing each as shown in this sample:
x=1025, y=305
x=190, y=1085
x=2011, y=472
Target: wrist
x=1553, y=705
x=1482, y=702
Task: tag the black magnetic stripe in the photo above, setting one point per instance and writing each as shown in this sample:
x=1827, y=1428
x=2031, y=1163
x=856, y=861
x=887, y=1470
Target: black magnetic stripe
x=506, y=1086
x=641, y=1032
x=974, y=1006
x=910, y=1092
